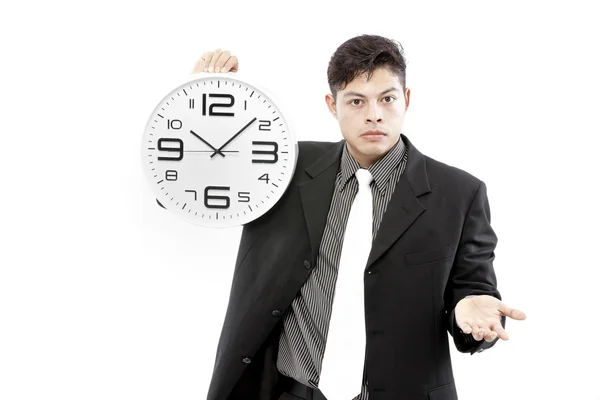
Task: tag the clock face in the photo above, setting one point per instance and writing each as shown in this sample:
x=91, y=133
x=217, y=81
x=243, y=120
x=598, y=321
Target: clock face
x=218, y=152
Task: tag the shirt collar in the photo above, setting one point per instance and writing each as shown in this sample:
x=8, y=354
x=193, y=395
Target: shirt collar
x=381, y=169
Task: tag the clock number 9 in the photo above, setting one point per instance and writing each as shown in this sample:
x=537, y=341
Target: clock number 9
x=178, y=149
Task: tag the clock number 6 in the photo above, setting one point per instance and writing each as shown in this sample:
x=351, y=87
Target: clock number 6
x=243, y=197
x=208, y=197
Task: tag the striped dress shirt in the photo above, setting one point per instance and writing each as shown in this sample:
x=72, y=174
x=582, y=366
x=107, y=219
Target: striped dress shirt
x=306, y=322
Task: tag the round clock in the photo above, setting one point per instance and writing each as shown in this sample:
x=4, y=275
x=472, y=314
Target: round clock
x=218, y=151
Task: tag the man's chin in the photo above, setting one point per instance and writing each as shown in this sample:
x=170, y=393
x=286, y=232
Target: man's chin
x=373, y=148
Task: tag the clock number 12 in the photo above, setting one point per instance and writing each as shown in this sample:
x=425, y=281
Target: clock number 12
x=211, y=111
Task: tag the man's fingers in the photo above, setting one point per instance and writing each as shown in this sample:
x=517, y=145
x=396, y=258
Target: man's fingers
x=216, y=61
x=223, y=58
x=208, y=55
x=466, y=325
x=466, y=328
x=490, y=336
x=213, y=60
x=511, y=312
x=231, y=64
x=500, y=331
x=479, y=331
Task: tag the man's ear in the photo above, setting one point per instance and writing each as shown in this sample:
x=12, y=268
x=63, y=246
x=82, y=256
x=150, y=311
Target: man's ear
x=331, y=104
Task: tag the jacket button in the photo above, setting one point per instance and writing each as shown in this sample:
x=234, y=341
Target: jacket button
x=276, y=313
x=246, y=360
x=306, y=264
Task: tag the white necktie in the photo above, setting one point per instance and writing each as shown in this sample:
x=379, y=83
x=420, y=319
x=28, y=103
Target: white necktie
x=342, y=368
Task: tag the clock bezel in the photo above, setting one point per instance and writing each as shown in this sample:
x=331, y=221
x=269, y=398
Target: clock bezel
x=283, y=187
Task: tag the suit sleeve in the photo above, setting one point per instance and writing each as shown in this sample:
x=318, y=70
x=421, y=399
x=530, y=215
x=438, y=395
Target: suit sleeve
x=246, y=242
x=473, y=272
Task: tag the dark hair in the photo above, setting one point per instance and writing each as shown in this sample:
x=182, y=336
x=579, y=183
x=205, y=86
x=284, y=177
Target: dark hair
x=363, y=54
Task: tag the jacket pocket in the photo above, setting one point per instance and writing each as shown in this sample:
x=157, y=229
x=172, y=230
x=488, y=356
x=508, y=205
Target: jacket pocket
x=444, y=392
x=421, y=257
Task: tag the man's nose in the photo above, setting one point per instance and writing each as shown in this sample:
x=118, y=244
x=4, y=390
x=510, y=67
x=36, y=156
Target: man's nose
x=374, y=114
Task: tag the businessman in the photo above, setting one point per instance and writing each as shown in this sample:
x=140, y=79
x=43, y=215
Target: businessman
x=347, y=288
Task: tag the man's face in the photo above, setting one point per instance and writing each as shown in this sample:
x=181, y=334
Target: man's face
x=375, y=105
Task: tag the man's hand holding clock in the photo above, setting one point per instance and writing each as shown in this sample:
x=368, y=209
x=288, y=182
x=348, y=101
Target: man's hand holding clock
x=217, y=61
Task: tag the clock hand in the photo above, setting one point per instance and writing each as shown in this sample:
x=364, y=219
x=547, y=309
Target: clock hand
x=209, y=145
x=233, y=137
x=210, y=151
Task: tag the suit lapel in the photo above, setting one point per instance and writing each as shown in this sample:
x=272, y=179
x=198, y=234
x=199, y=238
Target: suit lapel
x=404, y=206
x=403, y=209
x=316, y=193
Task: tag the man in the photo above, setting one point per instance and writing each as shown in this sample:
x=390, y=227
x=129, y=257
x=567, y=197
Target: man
x=429, y=268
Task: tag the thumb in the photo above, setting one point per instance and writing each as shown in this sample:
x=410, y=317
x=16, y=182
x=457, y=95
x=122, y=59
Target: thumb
x=511, y=312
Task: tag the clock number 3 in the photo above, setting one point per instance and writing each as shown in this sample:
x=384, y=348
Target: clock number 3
x=272, y=152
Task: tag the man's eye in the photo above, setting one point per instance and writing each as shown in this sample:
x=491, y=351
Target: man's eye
x=389, y=97
x=356, y=102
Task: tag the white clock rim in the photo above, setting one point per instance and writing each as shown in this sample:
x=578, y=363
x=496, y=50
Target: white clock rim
x=223, y=224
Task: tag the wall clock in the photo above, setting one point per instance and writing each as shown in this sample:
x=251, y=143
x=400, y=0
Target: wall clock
x=218, y=151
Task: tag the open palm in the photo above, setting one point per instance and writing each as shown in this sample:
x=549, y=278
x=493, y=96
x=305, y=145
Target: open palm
x=480, y=316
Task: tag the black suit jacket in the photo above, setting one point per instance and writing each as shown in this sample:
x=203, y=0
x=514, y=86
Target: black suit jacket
x=434, y=246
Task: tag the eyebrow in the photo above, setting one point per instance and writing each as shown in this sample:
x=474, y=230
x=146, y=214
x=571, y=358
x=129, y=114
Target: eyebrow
x=363, y=96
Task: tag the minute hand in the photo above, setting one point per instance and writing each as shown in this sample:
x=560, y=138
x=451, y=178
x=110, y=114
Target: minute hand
x=233, y=137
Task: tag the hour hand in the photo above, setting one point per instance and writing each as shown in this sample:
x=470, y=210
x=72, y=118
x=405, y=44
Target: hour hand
x=217, y=151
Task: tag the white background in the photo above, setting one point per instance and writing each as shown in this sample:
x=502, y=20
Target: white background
x=104, y=295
